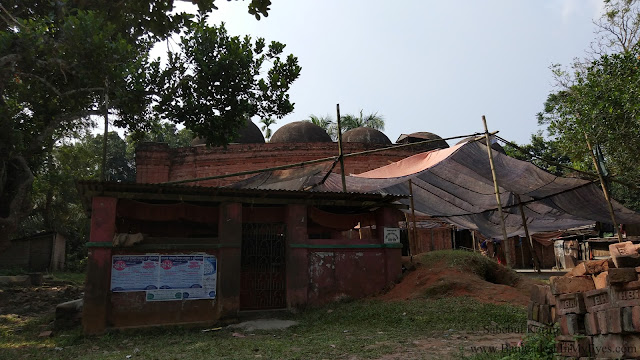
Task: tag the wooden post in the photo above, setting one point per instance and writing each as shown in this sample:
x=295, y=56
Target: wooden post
x=344, y=181
x=536, y=262
x=604, y=188
x=507, y=246
x=413, y=215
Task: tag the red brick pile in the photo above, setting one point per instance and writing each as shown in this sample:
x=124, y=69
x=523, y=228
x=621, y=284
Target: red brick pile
x=596, y=305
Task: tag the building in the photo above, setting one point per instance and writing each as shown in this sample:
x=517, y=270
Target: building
x=268, y=249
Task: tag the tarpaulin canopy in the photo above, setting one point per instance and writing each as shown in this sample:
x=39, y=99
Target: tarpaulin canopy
x=456, y=185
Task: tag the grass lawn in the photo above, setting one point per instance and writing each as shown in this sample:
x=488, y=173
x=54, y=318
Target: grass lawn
x=365, y=329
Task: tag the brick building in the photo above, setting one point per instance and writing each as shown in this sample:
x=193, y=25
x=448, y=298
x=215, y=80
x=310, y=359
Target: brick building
x=270, y=249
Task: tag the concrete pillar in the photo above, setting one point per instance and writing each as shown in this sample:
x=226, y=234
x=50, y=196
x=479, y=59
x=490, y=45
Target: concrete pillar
x=98, y=285
x=297, y=258
x=229, y=258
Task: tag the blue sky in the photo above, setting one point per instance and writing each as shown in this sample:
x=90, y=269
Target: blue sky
x=424, y=65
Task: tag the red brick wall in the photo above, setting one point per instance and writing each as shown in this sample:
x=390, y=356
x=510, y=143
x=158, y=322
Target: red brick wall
x=156, y=162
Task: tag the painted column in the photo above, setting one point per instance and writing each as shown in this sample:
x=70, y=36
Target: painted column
x=96, y=291
x=297, y=258
x=230, y=236
x=388, y=217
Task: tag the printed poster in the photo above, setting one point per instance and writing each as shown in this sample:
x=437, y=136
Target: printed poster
x=181, y=271
x=134, y=272
x=166, y=277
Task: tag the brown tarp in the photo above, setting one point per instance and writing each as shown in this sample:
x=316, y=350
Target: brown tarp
x=456, y=185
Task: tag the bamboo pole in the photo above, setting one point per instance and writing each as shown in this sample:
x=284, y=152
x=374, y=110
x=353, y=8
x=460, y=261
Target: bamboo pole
x=604, y=188
x=507, y=246
x=103, y=175
x=534, y=256
x=340, y=156
x=414, y=230
x=473, y=238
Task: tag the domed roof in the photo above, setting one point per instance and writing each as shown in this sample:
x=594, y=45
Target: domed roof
x=250, y=134
x=422, y=136
x=300, y=132
x=366, y=135
x=495, y=146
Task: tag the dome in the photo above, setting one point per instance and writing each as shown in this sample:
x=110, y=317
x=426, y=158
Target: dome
x=422, y=136
x=366, y=135
x=250, y=134
x=300, y=132
x=495, y=146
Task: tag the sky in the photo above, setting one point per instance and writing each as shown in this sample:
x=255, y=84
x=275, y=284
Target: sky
x=424, y=65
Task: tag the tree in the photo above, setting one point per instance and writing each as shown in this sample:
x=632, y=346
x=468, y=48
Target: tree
x=57, y=206
x=266, y=123
x=60, y=61
x=618, y=30
x=348, y=122
x=544, y=153
x=213, y=84
x=598, y=98
x=324, y=122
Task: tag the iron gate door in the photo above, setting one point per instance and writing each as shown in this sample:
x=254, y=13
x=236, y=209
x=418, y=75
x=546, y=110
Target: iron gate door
x=262, y=272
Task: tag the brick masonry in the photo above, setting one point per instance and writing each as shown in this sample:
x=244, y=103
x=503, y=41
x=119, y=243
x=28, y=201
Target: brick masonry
x=599, y=321
x=156, y=162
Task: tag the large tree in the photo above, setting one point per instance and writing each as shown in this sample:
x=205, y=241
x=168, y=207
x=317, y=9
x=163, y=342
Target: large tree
x=63, y=61
x=598, y=100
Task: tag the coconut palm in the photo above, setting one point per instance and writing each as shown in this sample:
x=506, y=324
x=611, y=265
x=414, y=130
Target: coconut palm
x=350, y=121
x=266, y=122
x=322, y=121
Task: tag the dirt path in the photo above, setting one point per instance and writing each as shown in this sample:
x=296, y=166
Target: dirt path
x=455, y=345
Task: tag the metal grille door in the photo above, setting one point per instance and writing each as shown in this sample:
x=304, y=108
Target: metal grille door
x=262, y=276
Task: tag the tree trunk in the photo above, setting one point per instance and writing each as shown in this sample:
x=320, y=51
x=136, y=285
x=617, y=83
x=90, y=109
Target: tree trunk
x=15, y=203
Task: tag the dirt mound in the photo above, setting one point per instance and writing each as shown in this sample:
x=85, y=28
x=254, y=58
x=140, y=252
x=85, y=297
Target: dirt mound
x=455, y=273
x=36, y=300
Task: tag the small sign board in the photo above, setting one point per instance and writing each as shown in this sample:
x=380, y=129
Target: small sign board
x=391, y=235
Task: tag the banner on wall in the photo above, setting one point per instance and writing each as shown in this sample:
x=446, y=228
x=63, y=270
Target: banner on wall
x=165, y=277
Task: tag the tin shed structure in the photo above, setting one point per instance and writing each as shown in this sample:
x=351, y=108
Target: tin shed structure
x=166, y=254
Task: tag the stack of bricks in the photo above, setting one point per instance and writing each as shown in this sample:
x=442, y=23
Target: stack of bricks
x=542, y=313
x=597, y=306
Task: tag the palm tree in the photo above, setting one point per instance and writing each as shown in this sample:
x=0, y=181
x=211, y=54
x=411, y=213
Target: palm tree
x=322, y=121
x=265, y=127
x=350, y=121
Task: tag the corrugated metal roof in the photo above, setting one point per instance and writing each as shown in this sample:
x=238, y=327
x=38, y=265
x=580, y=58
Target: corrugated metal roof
x=89, y=189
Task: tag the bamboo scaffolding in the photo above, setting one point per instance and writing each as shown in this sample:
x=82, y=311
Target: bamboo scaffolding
x=340, y=156
x=534, y=256
x=316, y=161
x=604, y=188
x=507, y=246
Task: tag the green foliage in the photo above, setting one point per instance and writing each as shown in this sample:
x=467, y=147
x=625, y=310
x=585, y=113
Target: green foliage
x=359, y=329
x=266, y=123
x=348, y=122
x=57, y=204
x=603, y=103
x=213, y=84
x=64, y=61
x=476, y=263
x=539, y=152
x=535, y=346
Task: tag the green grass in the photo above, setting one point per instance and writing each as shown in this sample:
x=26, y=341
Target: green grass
x=367, y=329
x=71, y=277
x=476, y=263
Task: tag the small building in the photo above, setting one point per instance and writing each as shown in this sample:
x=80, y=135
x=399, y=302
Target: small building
x=40, y=252
x=166, y=254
